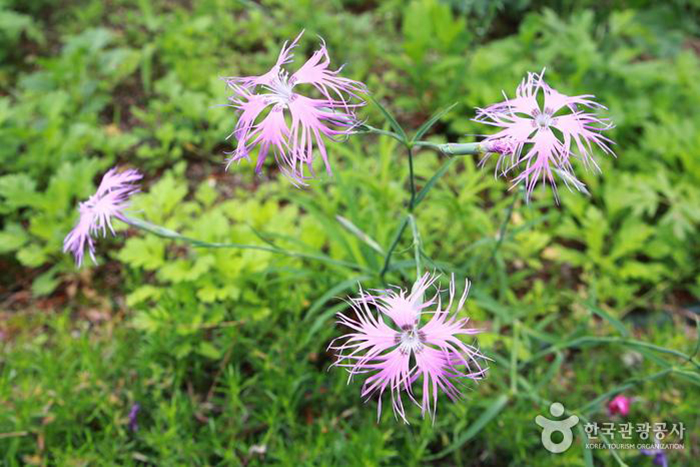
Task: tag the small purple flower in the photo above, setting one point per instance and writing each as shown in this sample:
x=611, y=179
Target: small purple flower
x=550, y=131
x=620, y=404
x=133, y=424
x=96, y=213
x=658, y=454
x=275, y=116
x=389, y=342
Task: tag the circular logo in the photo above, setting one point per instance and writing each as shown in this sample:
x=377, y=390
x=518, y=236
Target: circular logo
x=549, y=427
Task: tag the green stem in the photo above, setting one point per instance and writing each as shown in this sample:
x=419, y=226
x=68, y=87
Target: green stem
x=172, y=235
x=586, y=340
x=454, y=149
x=407, y=219
x=412, y=179
x=514, y=358
x=416, y=245
x=365, y=128
x=392, y=247
x=449, y=149
x=501, y=236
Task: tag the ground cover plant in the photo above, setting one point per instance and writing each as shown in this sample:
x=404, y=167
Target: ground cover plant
x=177, y=348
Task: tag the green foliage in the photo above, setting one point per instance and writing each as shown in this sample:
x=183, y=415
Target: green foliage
x=225, y=350
x=50, y=133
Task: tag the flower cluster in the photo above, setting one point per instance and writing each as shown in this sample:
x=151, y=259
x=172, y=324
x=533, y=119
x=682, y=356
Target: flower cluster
x=110, y=200
x=541, y=140
x=389, y=342
x=275, y=116
x=407, y=345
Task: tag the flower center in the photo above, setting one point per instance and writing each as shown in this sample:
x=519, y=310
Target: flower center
x=543, y=120
x=281, y=89
x=410, y=339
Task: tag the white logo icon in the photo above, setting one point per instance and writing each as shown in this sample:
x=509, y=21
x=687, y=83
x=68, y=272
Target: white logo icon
x=552, y=426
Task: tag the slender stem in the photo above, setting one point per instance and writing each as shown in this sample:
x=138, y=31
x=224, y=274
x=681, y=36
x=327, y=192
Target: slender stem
x=581, y=341
x=501, y=235
x=451, y=149
x=514, y=357
x=407, y=219
x=416, y=245
x=454, y=149
x=392, y=247
x=365, y=128
x=412, y=179
x=172, y=235
x=428, y=144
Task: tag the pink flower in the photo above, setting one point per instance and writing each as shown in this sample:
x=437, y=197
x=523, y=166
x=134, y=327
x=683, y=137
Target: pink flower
x=390, y=344
x=96, y=213
x=549, y=130
x=275, y=116
x=620, y=404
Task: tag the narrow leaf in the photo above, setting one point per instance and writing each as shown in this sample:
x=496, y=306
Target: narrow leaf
x=617, y=324
x=587, y=454
x=428, y=186
x=390, y=118
x=486, y=416
x=360, y=234
x=432, y=121
x=332, y=293
x=630, y=383
x=394, y=243
x=321, y=320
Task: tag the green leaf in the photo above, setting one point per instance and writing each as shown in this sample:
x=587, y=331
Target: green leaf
x=332, y=293
x=323, y=318
x=360, y=234
x=32, y=255
x=182, y=350
x=12, y=238
x=144, y=293
x=208, y=350
x=390, y=118
x=630, y=383
x=486, y=416
x=147, y=253
x=181, y=270
x=16, y=191
x=428, y=186
x=432, y=121
x=394, y=242
x=209, y=293
x=45, y=283
x=587, y=454
x=617, y=324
